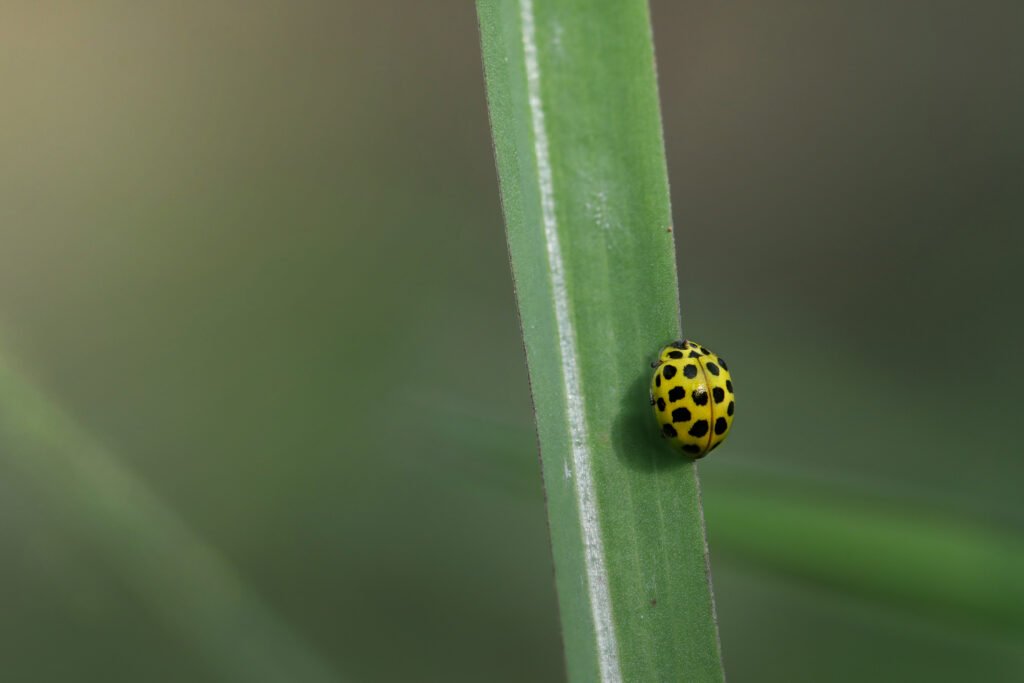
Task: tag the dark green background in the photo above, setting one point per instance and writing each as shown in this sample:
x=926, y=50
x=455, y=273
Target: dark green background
x=255, y=250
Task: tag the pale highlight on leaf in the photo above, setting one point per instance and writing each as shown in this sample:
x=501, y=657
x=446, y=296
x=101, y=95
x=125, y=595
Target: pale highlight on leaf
x=597, y=575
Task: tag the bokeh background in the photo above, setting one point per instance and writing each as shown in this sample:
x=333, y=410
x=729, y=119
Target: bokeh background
x=265, y=410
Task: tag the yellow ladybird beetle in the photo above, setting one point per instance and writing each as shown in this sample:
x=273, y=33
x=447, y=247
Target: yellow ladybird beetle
x=691, y=392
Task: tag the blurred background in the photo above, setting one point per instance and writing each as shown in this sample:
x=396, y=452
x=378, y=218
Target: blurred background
x=252, y=269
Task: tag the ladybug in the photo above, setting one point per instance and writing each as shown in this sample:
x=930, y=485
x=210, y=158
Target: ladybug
x=691, y=392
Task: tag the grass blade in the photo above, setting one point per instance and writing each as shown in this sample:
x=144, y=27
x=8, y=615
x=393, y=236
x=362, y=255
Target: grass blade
x=577, y=132
x=186, y=583
x=925, y=560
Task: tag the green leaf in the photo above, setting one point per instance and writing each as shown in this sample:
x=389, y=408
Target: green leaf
x=185, y=582
x=898, y=552
x=577, y=133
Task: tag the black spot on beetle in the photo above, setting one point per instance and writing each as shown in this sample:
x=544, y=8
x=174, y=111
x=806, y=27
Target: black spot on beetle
x=700, y=396
x=721, y=361
x=669, y=371
x=678, y=344
x=692, y=449
x=690, y=371
x=699, y=428
x=675, y=354
x=661, y=404
x=694, y=354
x=681, y=415
x=728, y=385
x=657, y=380
x=676, y=394
x=718, y=394
x=731, y=409
x=669, y=430
x=713, y=369
x=721, y=425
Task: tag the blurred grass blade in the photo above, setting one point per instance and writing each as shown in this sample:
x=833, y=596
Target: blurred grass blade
x=923, y=559
x=577, y=134
x=185, y=582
